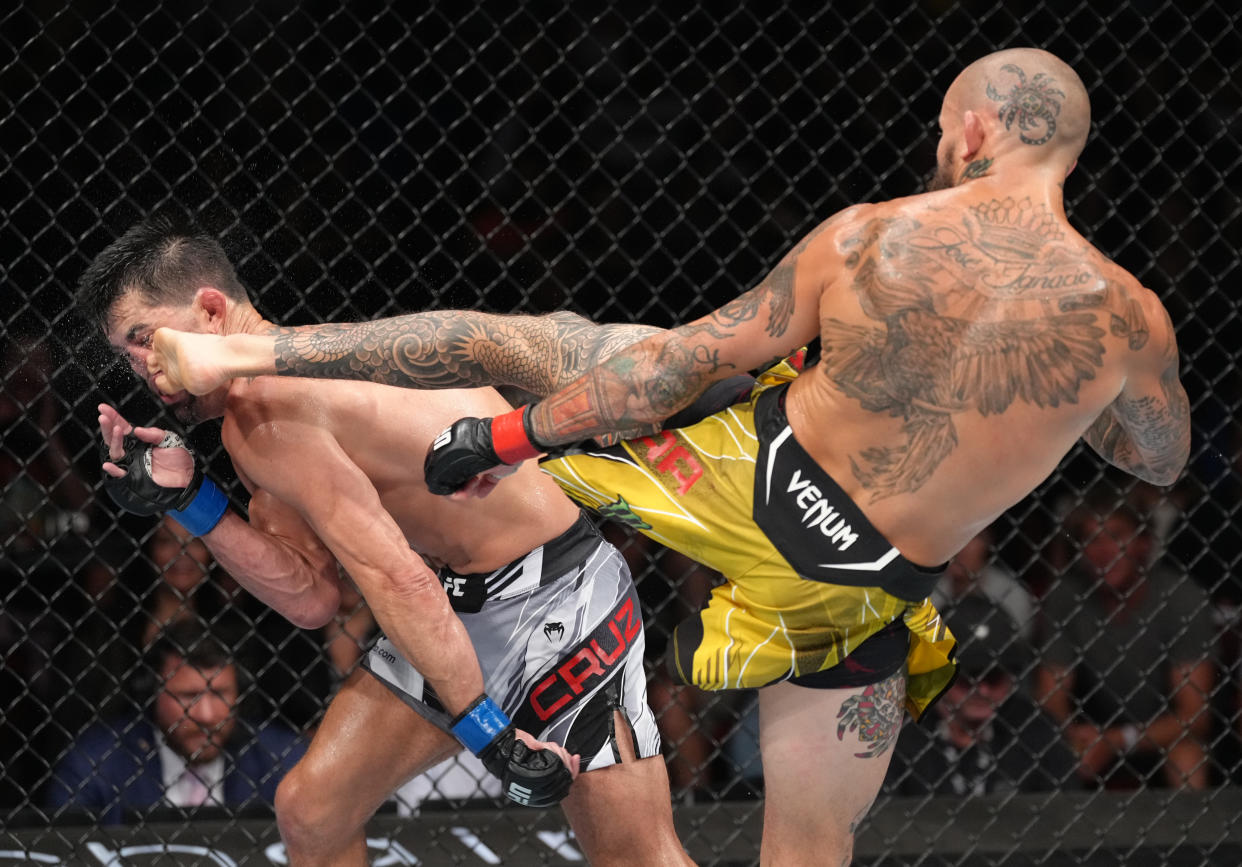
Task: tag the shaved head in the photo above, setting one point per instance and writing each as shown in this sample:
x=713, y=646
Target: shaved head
x=1036, y=102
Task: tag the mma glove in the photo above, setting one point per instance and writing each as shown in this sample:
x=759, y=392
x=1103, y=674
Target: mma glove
x=198, y=506
x=532, y=778
x=474, y=445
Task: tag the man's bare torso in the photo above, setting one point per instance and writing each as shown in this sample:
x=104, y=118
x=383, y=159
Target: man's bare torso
x=969, y=338
x=385, y=432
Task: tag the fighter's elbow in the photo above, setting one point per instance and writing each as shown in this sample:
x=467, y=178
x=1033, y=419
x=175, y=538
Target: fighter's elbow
x=317, y=610
x=1162, y=474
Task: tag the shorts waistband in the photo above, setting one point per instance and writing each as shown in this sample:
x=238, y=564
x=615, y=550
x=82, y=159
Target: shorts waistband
x=543, y=565
x=814, y=523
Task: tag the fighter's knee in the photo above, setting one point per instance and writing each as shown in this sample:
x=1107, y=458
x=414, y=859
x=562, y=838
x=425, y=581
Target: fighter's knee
x=304, y=814
x=290, y=799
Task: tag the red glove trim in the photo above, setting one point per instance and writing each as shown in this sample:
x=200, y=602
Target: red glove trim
x=509, y=439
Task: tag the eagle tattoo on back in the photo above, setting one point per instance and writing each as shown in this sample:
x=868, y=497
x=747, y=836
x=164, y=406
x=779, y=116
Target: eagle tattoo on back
x=948, y=337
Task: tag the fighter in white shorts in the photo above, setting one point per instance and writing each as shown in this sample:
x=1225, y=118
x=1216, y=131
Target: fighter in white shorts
x=560, y=640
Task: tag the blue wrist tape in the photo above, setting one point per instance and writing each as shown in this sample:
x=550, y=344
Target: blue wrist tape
x=480, y=726
x=204, y=511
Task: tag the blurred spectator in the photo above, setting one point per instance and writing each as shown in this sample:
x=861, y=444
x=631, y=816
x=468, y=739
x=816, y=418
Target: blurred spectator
x=1127, y=665
x=190, y=748
x=295, y=670
x=182, y=565
x=44, y=506
x=986, y=733
x=976, y=571
x=42, y=496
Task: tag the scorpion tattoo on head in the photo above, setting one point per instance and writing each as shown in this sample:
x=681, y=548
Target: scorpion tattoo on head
x=1034, y=105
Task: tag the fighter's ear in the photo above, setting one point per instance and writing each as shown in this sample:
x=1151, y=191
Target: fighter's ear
x=973, y=134
x=210, y=306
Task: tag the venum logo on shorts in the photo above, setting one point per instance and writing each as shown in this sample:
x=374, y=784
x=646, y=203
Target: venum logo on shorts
x=818, y=513
x=587, y=665
x=555, y=628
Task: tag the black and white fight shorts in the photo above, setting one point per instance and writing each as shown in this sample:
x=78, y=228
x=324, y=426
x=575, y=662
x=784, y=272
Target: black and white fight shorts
x=559, y=637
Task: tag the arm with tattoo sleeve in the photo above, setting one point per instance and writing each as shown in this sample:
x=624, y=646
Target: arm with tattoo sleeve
x=651, y=380
x=432, y=349
x=1146, y=430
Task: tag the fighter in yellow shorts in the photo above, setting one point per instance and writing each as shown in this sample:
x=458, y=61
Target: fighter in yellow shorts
x=808, y=580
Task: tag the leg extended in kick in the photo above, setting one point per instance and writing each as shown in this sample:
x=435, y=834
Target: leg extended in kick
x=825, y=754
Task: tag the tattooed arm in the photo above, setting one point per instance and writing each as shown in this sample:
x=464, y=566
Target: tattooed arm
x=651, y=380
x=433, y=349
x=1146, y=430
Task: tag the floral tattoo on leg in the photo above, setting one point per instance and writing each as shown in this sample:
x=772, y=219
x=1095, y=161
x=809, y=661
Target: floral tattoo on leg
x=875, y=714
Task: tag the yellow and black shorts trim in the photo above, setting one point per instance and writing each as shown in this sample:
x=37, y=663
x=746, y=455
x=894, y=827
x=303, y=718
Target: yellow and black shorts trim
x=693, y=490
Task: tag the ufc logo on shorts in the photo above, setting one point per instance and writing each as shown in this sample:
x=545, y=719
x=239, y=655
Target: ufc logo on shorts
x=519, y=794
x=452, y=585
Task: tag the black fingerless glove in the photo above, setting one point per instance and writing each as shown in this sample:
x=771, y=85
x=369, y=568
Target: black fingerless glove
x=474, y=445
x=532, y=778
x=198, y=506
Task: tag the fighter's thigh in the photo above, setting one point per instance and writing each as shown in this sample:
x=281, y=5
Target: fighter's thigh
x=623, y=815
x=369, y=743
x=826, y=747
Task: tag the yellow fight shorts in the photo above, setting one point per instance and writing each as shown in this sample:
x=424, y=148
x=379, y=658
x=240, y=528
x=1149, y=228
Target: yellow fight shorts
x=807, y=578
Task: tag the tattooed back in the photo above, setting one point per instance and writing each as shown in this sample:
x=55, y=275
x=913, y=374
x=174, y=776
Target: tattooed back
x=969, y=338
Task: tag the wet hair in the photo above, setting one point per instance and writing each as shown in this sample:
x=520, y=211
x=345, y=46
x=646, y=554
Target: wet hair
x=165, y=258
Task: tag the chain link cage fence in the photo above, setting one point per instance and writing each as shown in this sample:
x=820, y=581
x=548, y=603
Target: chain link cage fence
x=631, y=162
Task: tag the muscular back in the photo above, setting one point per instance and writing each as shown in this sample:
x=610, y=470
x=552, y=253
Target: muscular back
x=330, y=433
x=969, y=338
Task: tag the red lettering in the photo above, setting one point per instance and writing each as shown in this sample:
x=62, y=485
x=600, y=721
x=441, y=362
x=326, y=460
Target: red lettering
x=545, y=713
x=656, y=450
x=575, y=680
x=632, y=626
x=591, y=661
x=669, y=465
x=620, y=646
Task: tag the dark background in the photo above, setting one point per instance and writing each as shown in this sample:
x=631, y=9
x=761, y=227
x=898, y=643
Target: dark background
x=629, y=162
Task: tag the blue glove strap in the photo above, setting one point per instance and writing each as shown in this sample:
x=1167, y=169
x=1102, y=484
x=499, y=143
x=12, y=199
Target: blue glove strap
x=204, y=511
x=481, y=725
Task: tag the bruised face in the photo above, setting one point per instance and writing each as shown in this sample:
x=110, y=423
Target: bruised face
x=131, y=323
x=195, y=709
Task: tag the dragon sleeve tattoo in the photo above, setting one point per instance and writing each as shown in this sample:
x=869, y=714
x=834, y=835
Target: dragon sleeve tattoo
x=455, y=349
